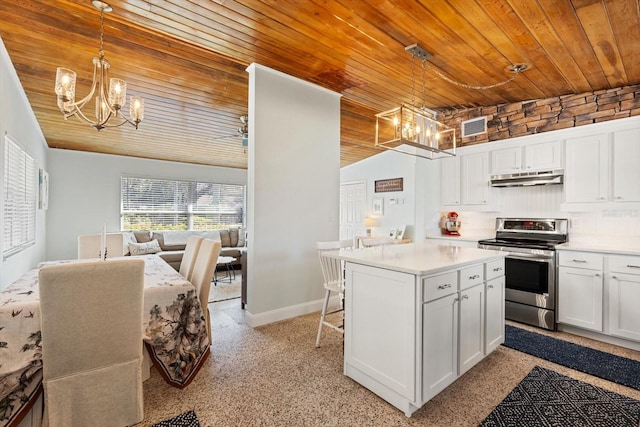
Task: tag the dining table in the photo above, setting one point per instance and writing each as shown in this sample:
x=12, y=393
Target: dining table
x=175, y=335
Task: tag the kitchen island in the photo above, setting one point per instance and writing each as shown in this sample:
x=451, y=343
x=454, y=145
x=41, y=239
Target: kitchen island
x=418, y=316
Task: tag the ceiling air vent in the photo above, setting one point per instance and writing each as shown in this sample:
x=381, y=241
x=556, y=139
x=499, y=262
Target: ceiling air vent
x=474, y=126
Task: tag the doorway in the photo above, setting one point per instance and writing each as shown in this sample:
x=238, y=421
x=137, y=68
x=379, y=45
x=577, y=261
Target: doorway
x=353, y=206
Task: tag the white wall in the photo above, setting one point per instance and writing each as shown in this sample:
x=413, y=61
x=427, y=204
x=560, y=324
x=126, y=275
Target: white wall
x=84, y=192
x=18, y=121
x=387, y=165
x=294, y=176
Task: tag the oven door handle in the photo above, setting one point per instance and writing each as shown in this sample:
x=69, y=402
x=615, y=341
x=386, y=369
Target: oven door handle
x=525, y=257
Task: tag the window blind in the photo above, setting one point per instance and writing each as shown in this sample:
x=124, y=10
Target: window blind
x=162, y=204
x=19, y=214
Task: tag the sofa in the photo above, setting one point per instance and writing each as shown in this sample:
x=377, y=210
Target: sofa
x=170, y=245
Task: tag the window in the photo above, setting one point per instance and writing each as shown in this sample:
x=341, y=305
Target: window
x=162, y=204
x=19, y=213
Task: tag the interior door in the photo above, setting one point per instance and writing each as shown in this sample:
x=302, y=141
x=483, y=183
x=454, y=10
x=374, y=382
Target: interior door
x=353, y=198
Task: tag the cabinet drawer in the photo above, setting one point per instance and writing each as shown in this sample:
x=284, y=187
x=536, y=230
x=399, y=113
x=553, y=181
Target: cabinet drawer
x=471, y=276
x=624, y=264
x=494, y=269
x=435, y=287
x=580, y=259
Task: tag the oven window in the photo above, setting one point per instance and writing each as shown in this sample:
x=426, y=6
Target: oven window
x=528, y=276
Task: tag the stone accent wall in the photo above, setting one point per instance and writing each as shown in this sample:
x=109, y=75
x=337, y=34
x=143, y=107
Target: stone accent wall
x=543, y=115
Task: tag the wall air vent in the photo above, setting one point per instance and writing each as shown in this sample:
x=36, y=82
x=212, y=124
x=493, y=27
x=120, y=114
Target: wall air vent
x=475, y=126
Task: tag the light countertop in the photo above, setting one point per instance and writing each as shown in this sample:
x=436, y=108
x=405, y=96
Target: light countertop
x=621, y=247
x=464, y=237
x=417, y=258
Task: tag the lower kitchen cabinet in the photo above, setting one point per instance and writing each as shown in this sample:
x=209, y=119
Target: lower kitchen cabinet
x=494, y=313
x=624, y=296
x=471, y=341
x=580, y=297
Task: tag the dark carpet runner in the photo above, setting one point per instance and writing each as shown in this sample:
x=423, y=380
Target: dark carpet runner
x=186, y=419
x=545, y=398
x=619, y=370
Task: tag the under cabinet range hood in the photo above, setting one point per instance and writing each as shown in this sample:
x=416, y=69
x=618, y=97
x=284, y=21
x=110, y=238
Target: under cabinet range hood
x=525, y=179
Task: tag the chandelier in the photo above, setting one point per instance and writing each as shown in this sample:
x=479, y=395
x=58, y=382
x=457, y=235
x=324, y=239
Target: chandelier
x=109, y=100
x=410, y=125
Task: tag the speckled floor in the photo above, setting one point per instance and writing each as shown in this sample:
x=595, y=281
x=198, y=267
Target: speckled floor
x=274, y=376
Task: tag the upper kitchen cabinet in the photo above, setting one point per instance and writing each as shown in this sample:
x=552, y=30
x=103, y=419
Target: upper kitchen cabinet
x=530, y=157
x=603, y=171
x=465, y=181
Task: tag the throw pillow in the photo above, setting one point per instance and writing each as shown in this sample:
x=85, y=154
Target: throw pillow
x=144, y=248
x=225, y=240
x=127, y=237
x=241, y=237
x=142, y=236
x=233, y=237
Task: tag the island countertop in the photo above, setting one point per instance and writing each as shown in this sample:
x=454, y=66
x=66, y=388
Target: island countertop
x=417, y=258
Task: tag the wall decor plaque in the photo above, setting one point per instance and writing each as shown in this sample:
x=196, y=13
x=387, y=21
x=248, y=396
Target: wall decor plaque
x=387, y=185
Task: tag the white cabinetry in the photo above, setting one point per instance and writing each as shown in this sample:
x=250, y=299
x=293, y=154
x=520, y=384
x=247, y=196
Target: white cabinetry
x=580, y=289
x=533, y=156
x=465, y=180
x=624, y=296
x=602, y=168
x=626, y=166
x=586, y=174
x=407, y=337
x=494, y=305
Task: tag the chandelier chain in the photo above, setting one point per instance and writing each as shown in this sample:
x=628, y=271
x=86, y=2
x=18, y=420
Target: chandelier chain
x=442, y=76
x=413, y=80
x=101, y=51
x=424, y=86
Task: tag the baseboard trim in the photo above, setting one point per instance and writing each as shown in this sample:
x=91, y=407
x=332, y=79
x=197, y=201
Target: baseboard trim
x=259, y=319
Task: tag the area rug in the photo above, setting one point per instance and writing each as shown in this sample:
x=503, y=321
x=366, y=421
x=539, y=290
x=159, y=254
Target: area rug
x=223, y=291
x=187, y=419
x=617, y=369
x=545, y=398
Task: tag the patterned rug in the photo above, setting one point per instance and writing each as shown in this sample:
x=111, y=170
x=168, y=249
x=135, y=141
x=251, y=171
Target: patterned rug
x=223, y=290
x=187, y=419
x=545, y=398
x=619, y=370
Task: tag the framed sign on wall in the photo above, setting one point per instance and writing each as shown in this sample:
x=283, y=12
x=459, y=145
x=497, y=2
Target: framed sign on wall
x=387, y=185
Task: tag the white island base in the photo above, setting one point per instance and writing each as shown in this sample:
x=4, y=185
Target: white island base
x=418, y=316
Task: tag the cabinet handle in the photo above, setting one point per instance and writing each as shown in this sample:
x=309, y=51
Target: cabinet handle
x=579, y=260
x=490, y=286
x=633, y=266
x=597, y=274
x=475, y=276
x=445, y=286
x=600, y=198
x=614, y=277
x=618, y=197
x=497, y=269
x=465, y=296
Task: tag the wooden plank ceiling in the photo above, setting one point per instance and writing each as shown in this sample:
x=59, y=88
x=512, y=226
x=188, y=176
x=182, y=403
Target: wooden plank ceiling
x=187, y=59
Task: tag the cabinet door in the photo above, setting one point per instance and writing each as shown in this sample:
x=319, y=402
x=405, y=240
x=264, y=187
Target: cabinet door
x=506, y=160
x=471, y=331
x=450, y=185
x=624, y=316
x=586, y=174
x=440, y=345
x=580, y=297
x=494, y=314
x=626, y=167
x=543, y=155
x=475, y=179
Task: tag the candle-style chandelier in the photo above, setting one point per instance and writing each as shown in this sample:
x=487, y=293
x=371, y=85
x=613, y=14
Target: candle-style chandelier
x=109, y=100
x=415, y=126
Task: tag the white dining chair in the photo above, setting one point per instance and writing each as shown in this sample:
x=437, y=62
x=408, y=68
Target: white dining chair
x=333, y=274
x=203, y=271
x=92, y=330
x=89, y=245
x=189, y=256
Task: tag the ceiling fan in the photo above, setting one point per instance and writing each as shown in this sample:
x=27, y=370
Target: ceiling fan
x=241, y=132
